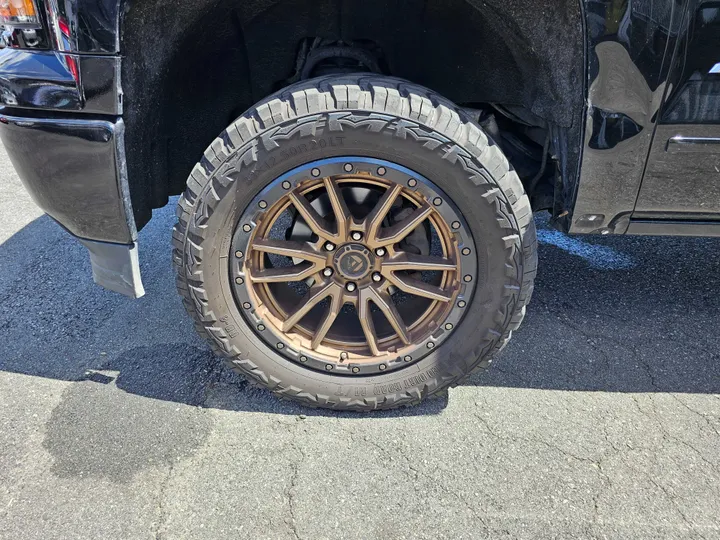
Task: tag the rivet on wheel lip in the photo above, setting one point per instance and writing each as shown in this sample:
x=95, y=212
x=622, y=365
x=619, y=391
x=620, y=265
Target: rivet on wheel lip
x=455, y=225
x=328, y=367
x=286, y=185
x=262, y=204
x=239, y=280
x=430, y=345
x=381, y=171
x=280, y=345
x=303, y=358
x=247, y=305
x=261, y=327
x=382, y=367
x=348, y=167
x=239, y=254
x=356, y=369
x=407, y=358
x=465, y=251
x=448, y=326
x=412, y=182
x=462, y=303
x=467, y=278
x=437, y=201
x=247, y=228
x=315, y=172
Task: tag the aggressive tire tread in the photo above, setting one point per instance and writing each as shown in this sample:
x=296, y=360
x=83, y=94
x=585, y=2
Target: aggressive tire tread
x=386, y=97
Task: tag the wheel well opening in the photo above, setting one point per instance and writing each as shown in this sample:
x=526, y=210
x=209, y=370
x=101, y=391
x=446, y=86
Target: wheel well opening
x=191, y=68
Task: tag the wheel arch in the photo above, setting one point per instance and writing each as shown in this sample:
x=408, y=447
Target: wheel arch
x=190, y=68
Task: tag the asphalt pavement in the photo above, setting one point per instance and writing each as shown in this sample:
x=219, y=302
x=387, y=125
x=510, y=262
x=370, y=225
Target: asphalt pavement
x=601, y=419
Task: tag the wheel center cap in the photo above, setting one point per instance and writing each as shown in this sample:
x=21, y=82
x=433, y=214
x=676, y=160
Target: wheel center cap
x=353, y=261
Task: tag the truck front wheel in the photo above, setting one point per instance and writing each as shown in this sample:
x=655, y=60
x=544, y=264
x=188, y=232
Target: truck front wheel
x=355, y=242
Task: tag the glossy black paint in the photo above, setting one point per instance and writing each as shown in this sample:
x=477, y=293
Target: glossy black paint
x=84, y=26
x=629, y=45
x=75, y=171
x=60, y=82
x=682, y=178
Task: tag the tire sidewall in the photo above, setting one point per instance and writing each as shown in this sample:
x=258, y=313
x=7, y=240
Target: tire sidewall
x=487, y=312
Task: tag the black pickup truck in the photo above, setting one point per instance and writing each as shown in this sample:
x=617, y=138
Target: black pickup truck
x=358, y=178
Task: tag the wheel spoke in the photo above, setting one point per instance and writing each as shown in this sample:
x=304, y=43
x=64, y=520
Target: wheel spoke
x=367, y=324
x=398, y=231
x=298, y=272
x=297, y=250
x=328, y=319
x=419, y=288
x=410, y=261
x=316, y=223
x=374, y=220
x=340, y=209
x=384, y=303
x=313, y=297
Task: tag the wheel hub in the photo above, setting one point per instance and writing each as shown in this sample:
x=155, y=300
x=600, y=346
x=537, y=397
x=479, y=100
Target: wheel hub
x=324, y=272
x=353, y=262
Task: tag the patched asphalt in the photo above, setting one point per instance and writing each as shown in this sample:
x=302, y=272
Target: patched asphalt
x=600, y=419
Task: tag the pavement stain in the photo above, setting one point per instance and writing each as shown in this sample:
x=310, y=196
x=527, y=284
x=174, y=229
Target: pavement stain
x=101, y=426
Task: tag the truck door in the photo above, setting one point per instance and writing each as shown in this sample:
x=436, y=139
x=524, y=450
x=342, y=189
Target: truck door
x=681, y=184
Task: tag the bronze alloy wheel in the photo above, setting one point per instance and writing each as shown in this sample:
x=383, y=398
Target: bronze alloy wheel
x=352, y=265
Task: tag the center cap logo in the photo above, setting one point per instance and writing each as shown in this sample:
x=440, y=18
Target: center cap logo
x=353, y=261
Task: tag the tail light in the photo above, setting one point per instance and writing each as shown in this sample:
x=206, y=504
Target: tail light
x=19, y=14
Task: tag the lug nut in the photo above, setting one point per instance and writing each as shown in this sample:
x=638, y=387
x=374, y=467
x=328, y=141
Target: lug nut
x=357, y=235
x=328, y=272
x=329, y=246
x=376, y=277
x=380, y=252
x=350, y=287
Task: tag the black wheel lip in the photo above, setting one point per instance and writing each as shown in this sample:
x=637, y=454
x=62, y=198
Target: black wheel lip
x=336, y=166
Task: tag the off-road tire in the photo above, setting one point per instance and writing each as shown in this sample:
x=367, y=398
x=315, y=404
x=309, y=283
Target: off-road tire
x=376, y=117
